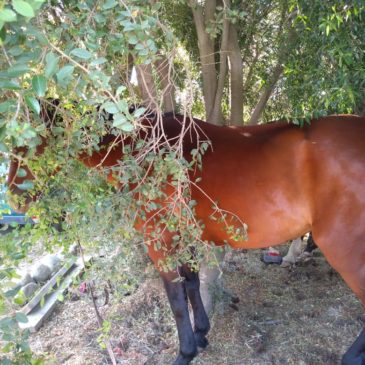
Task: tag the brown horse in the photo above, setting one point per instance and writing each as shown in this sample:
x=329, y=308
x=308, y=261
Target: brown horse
x=283, y=181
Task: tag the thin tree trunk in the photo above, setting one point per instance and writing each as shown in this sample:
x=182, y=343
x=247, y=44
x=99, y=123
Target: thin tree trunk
x=275, y=76
x=206, y=51
x=163, y=67
x=236, y=76
x=215, y=115
x=147, y=86
x=266, y=93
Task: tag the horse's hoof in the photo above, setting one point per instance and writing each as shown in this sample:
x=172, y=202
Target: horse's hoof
x=182, y=360
x=201, y=341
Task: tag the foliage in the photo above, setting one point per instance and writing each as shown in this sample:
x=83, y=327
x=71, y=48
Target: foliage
x=322, y=67
x=80, y=53
x=325, y=74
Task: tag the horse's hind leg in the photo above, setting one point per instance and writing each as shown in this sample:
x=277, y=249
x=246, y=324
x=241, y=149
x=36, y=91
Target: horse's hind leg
x=346, y=254
x=355, y=355
x=176, y=293
x=201, y=320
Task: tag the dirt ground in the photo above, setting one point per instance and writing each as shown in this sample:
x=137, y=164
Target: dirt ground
x=304, y=315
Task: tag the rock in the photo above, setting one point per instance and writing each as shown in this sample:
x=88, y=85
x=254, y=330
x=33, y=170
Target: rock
x=29, y=289
x=41, y=273
x=74, y=249
x=53, y=261
x=25, y=279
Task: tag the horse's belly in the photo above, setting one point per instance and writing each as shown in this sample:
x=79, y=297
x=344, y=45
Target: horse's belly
x=255, y=238
x=263, y=227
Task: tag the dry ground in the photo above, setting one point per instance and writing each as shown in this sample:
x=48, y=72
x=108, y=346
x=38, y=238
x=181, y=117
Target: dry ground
x=304, y=316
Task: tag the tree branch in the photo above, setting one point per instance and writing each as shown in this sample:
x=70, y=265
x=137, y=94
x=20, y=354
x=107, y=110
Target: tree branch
x=163, y=67
x=215, y=115
x=206, y=52
x=147, y=86
x=283, y=53
x=236, y=75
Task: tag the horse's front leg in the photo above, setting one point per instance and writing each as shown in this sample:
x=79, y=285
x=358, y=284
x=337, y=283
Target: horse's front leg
x=176, y=293
x=201, y=320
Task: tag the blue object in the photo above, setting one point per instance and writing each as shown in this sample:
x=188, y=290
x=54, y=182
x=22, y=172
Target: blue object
x=8, y=215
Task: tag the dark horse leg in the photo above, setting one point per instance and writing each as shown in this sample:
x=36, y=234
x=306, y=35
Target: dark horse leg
x=355, y=355
x=177, y=293
x=201, y=320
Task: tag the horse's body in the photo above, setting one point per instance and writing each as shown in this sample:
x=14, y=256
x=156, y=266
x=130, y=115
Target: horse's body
x=282, y=181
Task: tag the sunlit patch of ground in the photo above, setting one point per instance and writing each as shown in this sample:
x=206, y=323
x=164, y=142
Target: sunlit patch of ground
x=300, y=316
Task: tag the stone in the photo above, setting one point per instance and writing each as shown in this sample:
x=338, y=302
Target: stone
x=74, y=249
x=25, y=279
x=40, y=273
x=53, y=261
x=29, y=290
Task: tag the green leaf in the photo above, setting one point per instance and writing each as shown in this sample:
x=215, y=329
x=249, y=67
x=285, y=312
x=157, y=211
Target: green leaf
x=98, y=61
x=9, y=85
x=140, y=111
x=120, y=121
x=33, y=104
x=110, y=107
x=120, y=90
x=7, y=106
x=23, y=8
x=11, y=293
x=36, y=4
x=2, y=31
x=7, y=15
x=16, y=51
x=51, y=64
x=133, y=39
x=64, y=75
x=109, y=4
x=37, y=33
x=2, y=136
x=21, y=317
x=17, y=70
x=3, y=147
x=39, y=84
x=81, y=53
x=123, y=106
x=20, y=299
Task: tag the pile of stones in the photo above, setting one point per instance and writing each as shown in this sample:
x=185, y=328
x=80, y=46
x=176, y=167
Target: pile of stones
x=39, y=273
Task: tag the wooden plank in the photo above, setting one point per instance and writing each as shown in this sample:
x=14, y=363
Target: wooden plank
x=46, y=288
x=40, y=313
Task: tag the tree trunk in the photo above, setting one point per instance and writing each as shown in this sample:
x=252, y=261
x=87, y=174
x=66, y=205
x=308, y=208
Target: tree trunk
x=206, y=51
x=236, y=76
x=147, y=86
x=164, y=68
x=276, y=73
x=266, y=93
x=215, y=115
